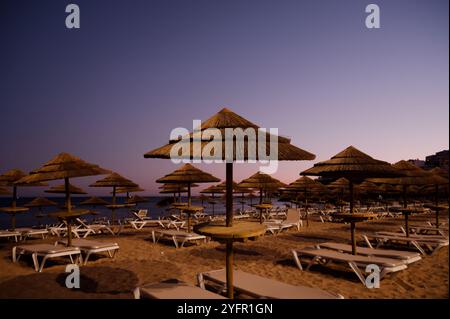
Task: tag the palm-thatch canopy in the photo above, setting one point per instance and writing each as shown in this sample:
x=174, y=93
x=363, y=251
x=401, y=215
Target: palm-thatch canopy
x=64, y=165
x=173, y=190
x=137, y=199
x=262, y=181
x=10, y=177
x=123, y=190
x=4, y=191
x=41, y=202
x=352, y=164
x=340, y=183
x=305, y=184
x=61, y=189
x=95, y=201
x=387, y=188
x=368, y=187
x=188, y=174
x=236, y=188
x=224, y=119
x=412, y=175
x=213, y=190
x=114, y=180
x=439, y=171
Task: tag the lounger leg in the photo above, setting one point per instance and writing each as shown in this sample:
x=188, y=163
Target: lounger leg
x=87, y=258
x=366, y=239
x=200, y=281
x=175, y=241
x=137, y=293
x=153, y=237
x=42, y=263
x=358, y=272
x=420, y=249
x=312, y=262
x=71, y=259
x=297, y=260
x=14, y=254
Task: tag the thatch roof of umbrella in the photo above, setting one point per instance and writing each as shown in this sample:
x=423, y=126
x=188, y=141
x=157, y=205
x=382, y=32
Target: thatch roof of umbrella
x=64, y=165
x=262, y=181
x=122, y=190
x=61, y=189
x=305, y=183
x=352, y=164
x=236, y=188
x=41, y=202
x=213, y=189
x=173, y=191
x=224, y=119
x=10, y=178
x=439, y=171
x=368, y=187
x=340, y=183
x=188, y=174
x=94, y=201
x=4, y=191
x=176, y=186
x=412, y=175
x=114, y=180
x=387, y=188
x=136, y=199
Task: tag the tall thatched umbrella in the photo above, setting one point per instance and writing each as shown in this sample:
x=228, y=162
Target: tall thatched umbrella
x=114, y=180
x=367, y=188
x=64, y=166
x=94, y=202
x=354, y=165
x=9, y=179
x=175, y=189
x=213, y=190
x=305, y=185
x=237, y=190
x=135, y=199
x=40, y=202
x=188, y=174
x=223, y=122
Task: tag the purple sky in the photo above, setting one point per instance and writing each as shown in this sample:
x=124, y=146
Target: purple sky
x=114, y=89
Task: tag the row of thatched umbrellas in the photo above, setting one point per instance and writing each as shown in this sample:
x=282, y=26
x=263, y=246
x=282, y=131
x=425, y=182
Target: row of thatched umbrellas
x=351, y=164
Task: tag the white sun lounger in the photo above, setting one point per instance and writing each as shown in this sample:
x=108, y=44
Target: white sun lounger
x=419, y=243
x=89, y=247
x=426, y=230
x=325, y=256
x=92, y=228
x=26, y=232
x=292, y=220
x=10, y=234
x=261, y=287
x=46, y=251
x=173, y=290
x=406, y=256
x=179, y=238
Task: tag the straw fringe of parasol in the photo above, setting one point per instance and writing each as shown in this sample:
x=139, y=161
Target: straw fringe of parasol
x=61, y=189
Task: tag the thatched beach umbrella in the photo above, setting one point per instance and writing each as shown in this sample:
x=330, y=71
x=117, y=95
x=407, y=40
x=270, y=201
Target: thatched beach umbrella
x=9, y=179
x=4, y=191
x=412, y=176
x=94, y=202
x=262, y=182
x=61, y=189
x=236, y=190
x=355, y=166
x=136, y=200
x=114, y=180
x=188, y=174
x=174, y=189
x=305, y=185
x=213, y=190
x=223, y=122
x=40, y=202
x=64, y=166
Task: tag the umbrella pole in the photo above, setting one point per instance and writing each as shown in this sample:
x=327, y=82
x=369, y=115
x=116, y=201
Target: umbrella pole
x=407, y=223
x=69, y=208
x=113, y=210
x=229, y=223
x=260, y=195
x=405, y=204
x=352, y=224
x=306, y=209
x=352, y=230
x=13, y=205
x=437, y=204
x=213, y=205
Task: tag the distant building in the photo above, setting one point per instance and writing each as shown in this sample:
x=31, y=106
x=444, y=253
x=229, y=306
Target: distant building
x=417, y=162
x=440, y=159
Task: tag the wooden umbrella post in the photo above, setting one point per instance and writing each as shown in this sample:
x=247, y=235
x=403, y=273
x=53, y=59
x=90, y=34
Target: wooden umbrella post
x=229, y=223
x=69, y=209
x=229, y=265
x=437, y=205
x=352, y=230
x=14, y=205
x=306, y=208
x=407, y=223
x=113, y=210
x=350, y=186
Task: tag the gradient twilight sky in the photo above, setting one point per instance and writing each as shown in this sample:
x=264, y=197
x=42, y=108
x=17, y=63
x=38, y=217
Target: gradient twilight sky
x=114, y=89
